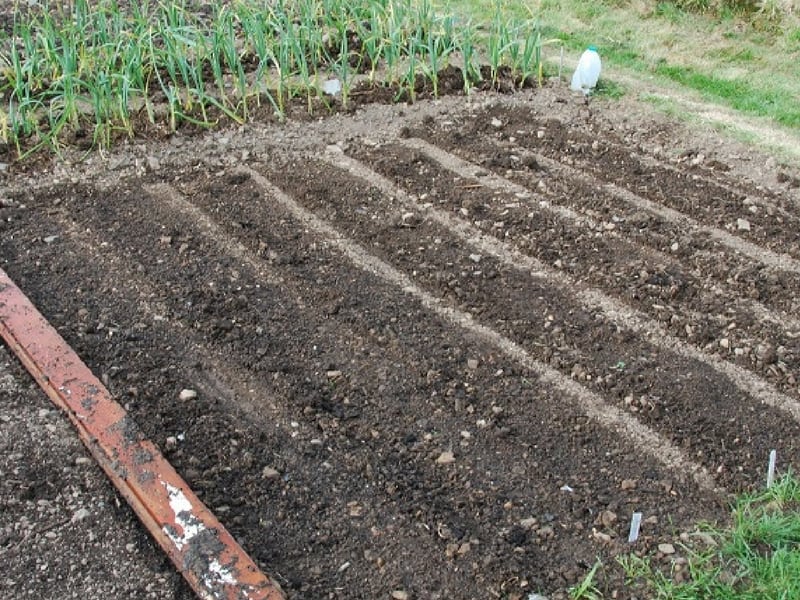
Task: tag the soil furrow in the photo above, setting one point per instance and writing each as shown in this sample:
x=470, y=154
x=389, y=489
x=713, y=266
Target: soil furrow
x=616, y=311
x=283, y=450
x=785, y=321
x=679, y=392
x=593, y=405
x=669, y=241
x=448, y=383
x=589, y=401
x=248, y=213
x=654, y=144
x=675, y=299
x=703, y=256
x=210, y=370
x=690, y=165
x=714, y=177
x=692, y=176
x=386, y=499
x=712, y=207
x=774, y=259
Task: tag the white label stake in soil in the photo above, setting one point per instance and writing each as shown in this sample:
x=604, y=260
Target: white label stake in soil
x=773, y=456
x=636, y=522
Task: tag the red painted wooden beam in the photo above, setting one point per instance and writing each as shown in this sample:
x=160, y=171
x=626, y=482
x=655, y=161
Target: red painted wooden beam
x=209, y=558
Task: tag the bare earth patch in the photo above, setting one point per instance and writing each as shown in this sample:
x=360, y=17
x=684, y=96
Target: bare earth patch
x=443, y=350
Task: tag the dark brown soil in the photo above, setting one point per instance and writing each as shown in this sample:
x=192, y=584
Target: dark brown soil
x=383, y=405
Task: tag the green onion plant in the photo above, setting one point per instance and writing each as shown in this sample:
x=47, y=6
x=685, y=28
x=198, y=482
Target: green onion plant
x=107, y=69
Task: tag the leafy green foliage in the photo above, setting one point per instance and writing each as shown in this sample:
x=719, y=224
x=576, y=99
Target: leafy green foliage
x=100, y=68
x=758, y=558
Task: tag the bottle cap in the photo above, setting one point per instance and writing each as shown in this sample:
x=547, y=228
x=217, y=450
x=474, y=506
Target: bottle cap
x=593, y=48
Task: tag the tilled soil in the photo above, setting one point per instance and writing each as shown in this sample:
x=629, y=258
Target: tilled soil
x=448, y=355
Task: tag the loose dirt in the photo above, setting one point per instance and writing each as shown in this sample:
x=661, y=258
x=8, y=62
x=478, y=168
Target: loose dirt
x=443, y=350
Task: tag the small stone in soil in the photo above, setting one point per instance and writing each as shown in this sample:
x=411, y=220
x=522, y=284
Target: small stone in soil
x=601, y=537
x=80, y=515
x=445, y=458
x=607, y=518
x=766, y=353
x=187, y=394
x=666, y=548
x=409, y=219
x=270, y=473
x=451, y=550
x=706, y=538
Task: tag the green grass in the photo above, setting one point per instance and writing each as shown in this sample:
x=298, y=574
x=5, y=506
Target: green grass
x=763, y=100
x=102, y=69
x=586, y=589
x=748, y=62
x=608, y=88
x=756, y=558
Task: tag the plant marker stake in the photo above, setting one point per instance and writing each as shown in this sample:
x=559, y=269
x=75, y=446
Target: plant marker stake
x=636, y=522
x=208, y=557
x=773, y=455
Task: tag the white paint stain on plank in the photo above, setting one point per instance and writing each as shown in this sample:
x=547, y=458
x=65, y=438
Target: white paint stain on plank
x=191, y=526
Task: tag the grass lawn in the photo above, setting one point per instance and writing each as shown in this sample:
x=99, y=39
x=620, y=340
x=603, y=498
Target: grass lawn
x=749, y=63
x=757, y=558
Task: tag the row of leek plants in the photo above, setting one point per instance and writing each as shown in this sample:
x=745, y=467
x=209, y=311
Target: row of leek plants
x=107, y=68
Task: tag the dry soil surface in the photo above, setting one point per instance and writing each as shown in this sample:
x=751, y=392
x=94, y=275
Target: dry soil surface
x=442, y=350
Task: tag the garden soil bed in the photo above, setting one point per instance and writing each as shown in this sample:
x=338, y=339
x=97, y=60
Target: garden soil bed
x=440, y=351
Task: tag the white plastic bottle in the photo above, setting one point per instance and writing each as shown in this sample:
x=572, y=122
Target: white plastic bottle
x=588, y=71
